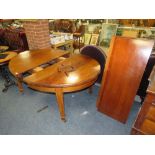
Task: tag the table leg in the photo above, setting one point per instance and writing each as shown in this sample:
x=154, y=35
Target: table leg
x=8, y=81
x=19, y=83
x=60, y=102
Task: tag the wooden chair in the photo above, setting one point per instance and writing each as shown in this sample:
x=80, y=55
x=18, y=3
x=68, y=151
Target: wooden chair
x=78, y=37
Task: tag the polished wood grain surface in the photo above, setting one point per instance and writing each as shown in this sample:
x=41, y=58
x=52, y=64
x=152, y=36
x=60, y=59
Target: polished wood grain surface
x=28, y=60
x=76, y=70
x=123, y=72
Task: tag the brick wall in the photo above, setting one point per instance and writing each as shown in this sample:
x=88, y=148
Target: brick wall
x=37, y=32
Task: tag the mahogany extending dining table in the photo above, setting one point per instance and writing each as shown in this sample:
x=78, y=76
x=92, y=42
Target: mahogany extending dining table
x=67, y=74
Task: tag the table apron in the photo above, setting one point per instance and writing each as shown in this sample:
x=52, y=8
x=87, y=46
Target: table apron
x=65, y=89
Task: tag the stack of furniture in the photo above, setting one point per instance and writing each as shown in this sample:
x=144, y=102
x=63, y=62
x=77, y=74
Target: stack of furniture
x=145, y=122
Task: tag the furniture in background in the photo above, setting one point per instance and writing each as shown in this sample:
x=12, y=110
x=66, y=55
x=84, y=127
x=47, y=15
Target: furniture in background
x=90, y=39
x=93, y=28
x=137, y=22
x=5, y=57
x=145, y=121
x=78, y=43
x=130, y=33
x=96, y=53
x=145, y=82
x=124, y=69
x=87, y=38
x=14, y=38
x=5, y=23
x=63, y=25
x=2, y=40
x=136, y=31
x=94, y=39
x=71, y=74
x=68, y=43
x=62, y=40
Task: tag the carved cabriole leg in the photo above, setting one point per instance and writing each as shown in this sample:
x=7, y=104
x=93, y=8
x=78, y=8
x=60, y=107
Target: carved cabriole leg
x=19, y=78
x=60, y=102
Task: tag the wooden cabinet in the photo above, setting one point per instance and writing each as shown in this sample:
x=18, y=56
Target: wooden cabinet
x=145, y=122
x=122, y=75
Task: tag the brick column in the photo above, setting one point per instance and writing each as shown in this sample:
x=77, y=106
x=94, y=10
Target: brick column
x=37, y=33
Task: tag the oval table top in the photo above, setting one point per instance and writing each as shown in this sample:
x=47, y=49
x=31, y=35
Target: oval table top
x=10, y=55
x=75, y=70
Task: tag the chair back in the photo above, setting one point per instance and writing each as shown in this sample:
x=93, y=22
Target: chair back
x=98, y=54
